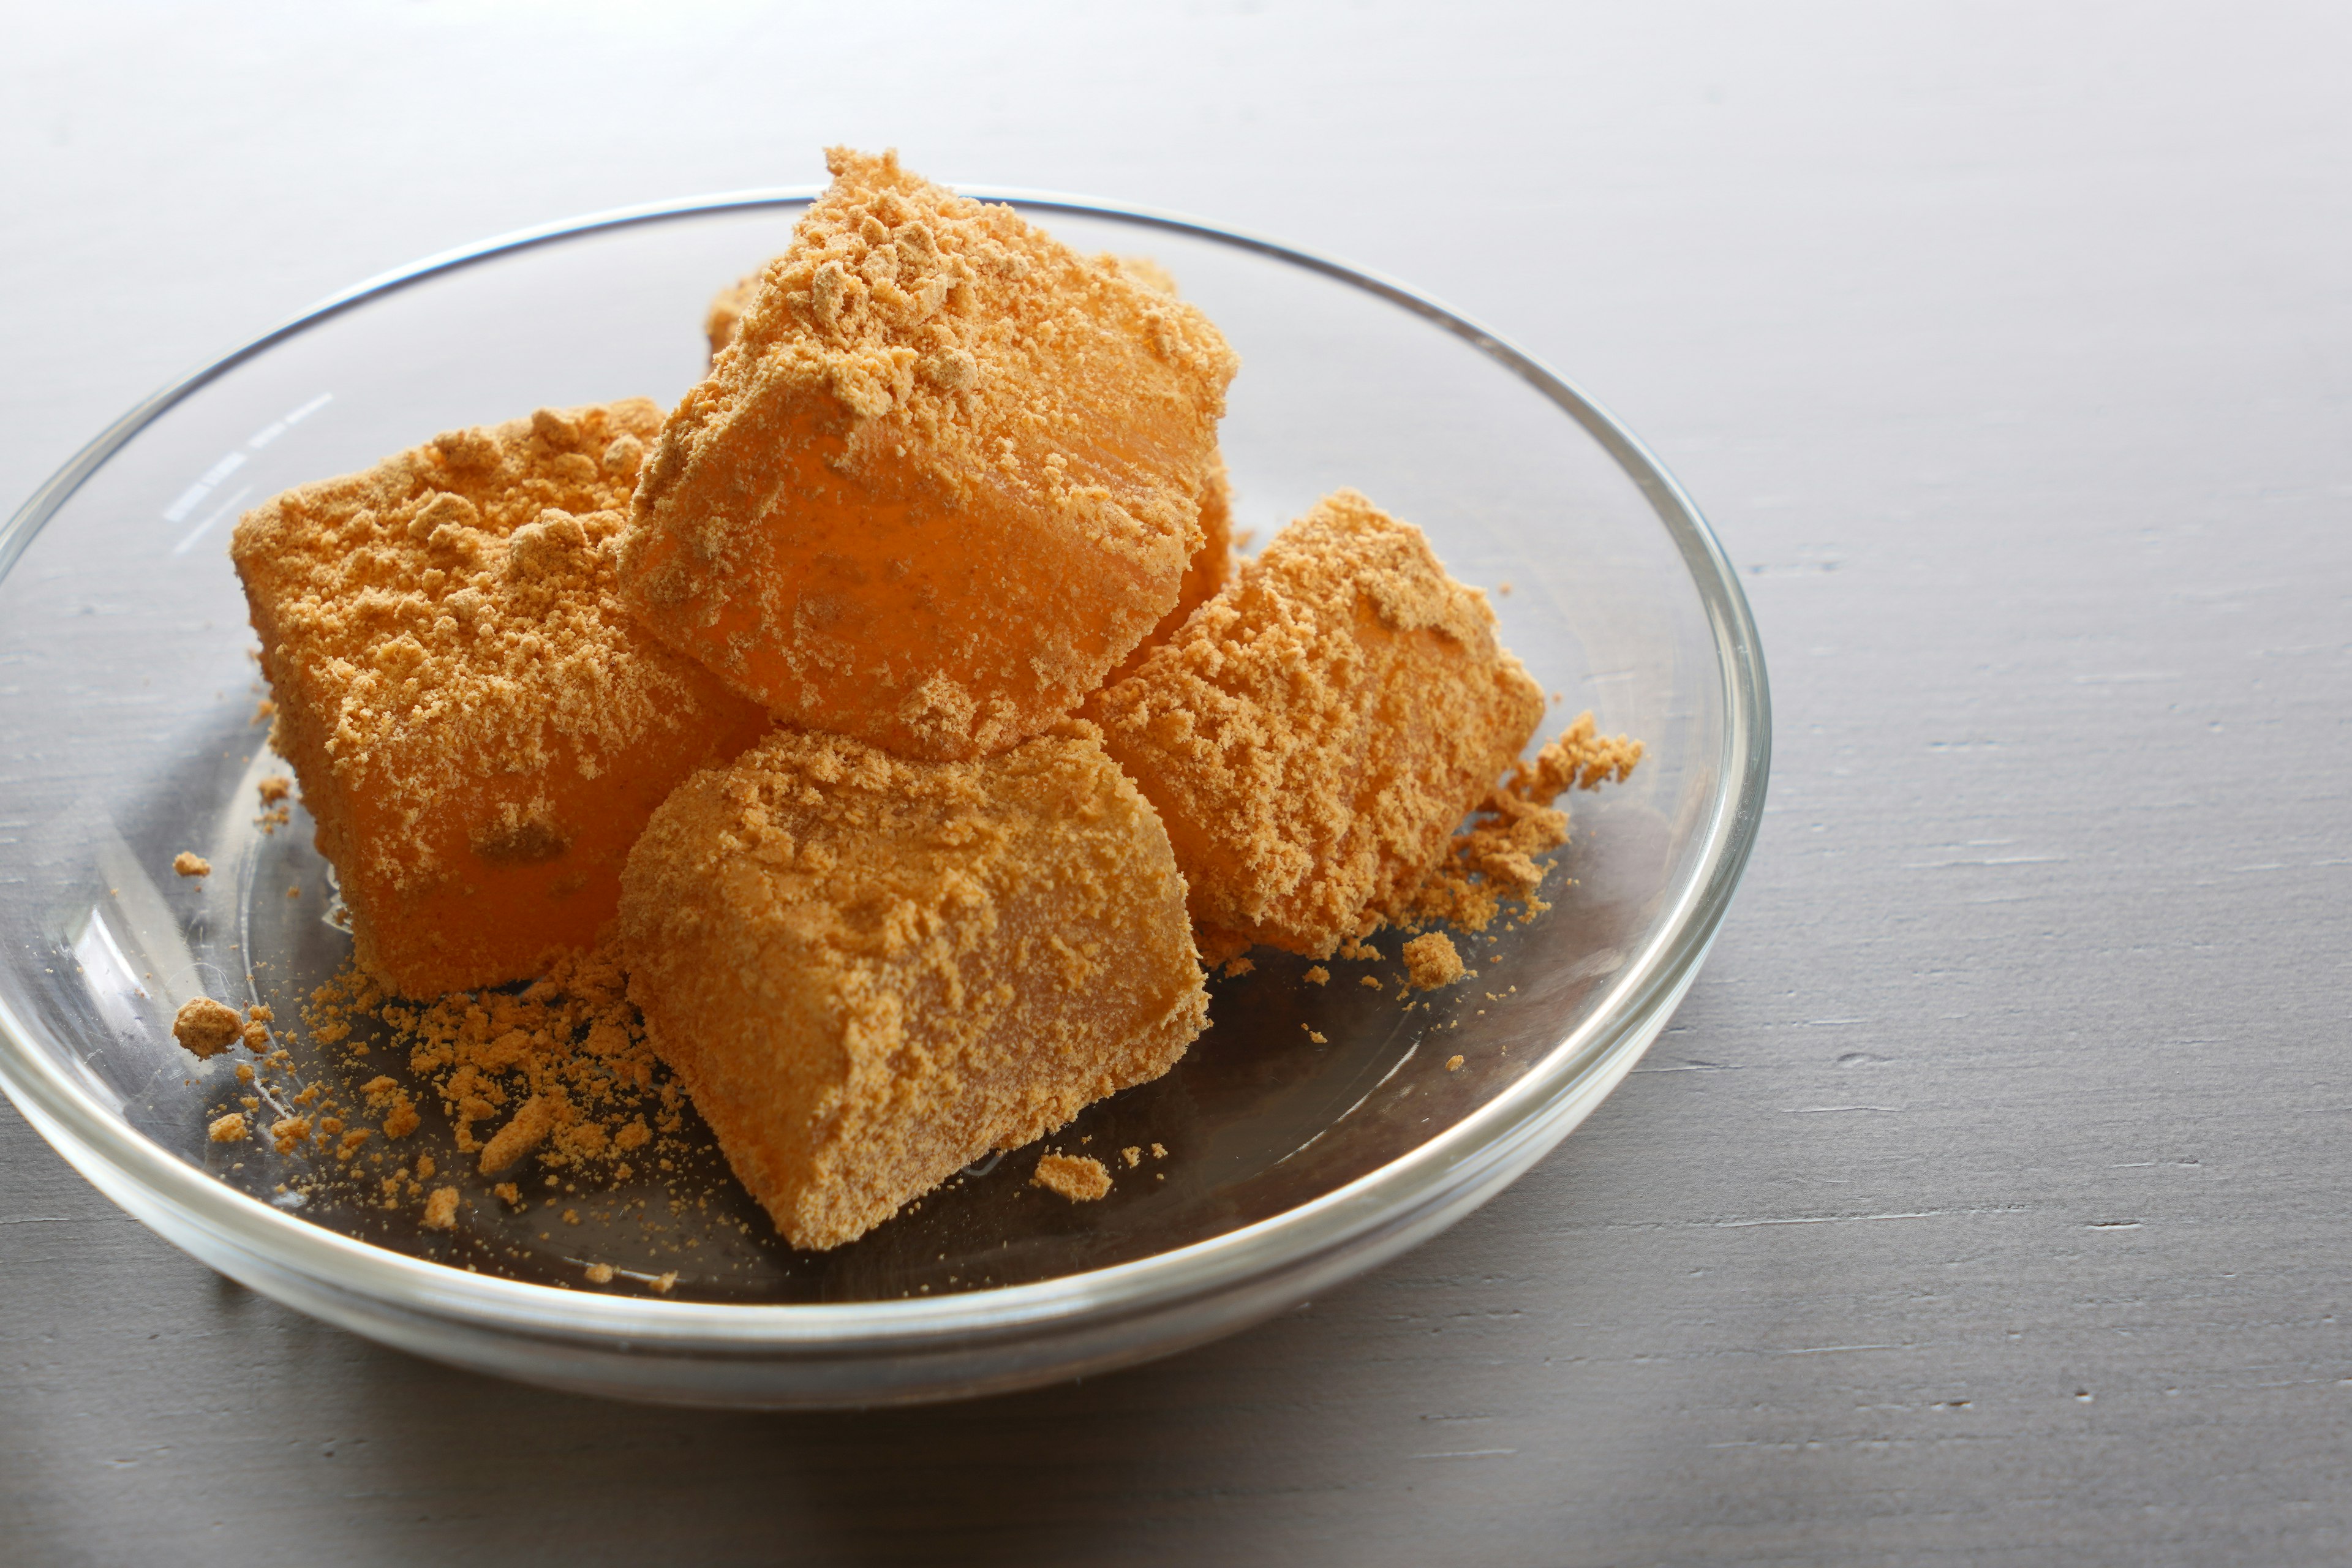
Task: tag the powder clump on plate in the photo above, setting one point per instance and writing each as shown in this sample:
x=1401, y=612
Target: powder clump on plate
x=228, y=1129
x=523, y=1133
x=189, y=864
x=205, y=1028
x=1081, y=1178
x=1432, y=962
x=441, y=1209
x=562, y=1066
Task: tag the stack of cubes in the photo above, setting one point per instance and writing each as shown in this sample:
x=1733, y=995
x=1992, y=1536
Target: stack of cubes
x=907, y=721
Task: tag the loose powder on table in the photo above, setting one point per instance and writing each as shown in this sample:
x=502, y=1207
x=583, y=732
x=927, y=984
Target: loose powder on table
x=1080, y=1178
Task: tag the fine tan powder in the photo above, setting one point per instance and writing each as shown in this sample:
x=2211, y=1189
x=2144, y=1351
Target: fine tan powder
x=1081, y=1178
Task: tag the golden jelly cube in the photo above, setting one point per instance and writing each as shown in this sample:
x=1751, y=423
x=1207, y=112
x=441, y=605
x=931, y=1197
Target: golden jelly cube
x=946, y=474
x=1211, y=566
x=870, y=971
x=1314, y=733
x=480, y=728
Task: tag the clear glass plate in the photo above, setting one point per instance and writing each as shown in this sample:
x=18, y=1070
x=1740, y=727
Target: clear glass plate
x=128, y=693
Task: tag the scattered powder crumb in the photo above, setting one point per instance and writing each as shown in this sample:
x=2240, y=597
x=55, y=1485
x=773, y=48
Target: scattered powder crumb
x=275, y=788
x=265, y=708
x=1432, y=962
x=441, y=1209
x=425, y=1167
x=510, y=1194
x=191, y=864
x=1132, y=1155
x=229, y=1129
x=662, y=1282
x=1504, y=589
x=1371, y=980
x=572, y=1216
x=290, y=1133
x=1354, y=946
x=526, y=1131
x=1314, y=1036
x=600, y=1274
x=1080, y=1178
x=257, y=1040
x=1319, y=975
x=1454, y=1064
x=1494, y=859
x=244, y=1072
x=565, y=1062
x=206, y=1027
x=1239, y=967
x=400, y=1118
x=1157, y=1153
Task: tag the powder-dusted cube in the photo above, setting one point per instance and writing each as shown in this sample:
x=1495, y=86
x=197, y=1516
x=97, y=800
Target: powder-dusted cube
x=1312, y=734
x=945, y=475
x=869, y=971
x=726, y=312
x=480, y=728
x=1211, y=565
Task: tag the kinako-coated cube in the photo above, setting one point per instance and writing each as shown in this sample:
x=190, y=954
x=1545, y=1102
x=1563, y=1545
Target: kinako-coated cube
x=1211, y=567
x=945, y=476
x=869, y=971
x=726, y=312
x=480, y=728
x=1315, y=732
x=728, y=306
x=1212, y=560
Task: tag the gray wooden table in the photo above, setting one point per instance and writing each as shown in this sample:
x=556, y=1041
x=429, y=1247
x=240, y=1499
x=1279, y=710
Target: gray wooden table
x=1988, y=1201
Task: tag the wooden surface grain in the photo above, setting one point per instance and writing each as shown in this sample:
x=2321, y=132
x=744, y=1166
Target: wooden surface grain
x=1987, y=1201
